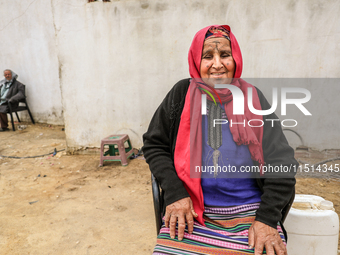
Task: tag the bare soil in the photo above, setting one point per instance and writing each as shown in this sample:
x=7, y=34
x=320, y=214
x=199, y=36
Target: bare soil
x=67, y=204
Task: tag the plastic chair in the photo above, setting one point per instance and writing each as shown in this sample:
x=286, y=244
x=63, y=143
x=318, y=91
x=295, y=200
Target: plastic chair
x=158, y=203
x=20, y=108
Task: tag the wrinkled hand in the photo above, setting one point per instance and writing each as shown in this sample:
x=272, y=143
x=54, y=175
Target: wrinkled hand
x=181, y=211
x=261, y=235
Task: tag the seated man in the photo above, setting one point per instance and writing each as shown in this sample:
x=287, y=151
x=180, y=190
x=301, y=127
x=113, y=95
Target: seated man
x=11, y=91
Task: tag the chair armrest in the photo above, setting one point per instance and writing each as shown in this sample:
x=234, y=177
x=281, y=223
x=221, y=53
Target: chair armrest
x=157, y=202
x=286, y=209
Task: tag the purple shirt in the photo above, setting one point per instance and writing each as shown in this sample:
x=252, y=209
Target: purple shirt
x=228, y=188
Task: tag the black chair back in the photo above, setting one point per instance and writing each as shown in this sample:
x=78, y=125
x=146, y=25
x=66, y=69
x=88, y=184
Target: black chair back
x=17, y=109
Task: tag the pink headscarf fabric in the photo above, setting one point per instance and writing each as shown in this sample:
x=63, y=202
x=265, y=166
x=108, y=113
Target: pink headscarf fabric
x=188, y=150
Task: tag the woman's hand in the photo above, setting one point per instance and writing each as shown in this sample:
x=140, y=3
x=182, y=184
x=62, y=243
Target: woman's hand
x=181, y=211
x=261, y=235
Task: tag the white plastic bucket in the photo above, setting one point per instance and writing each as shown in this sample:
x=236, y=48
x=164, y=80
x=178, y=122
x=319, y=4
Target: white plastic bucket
x=312, y=227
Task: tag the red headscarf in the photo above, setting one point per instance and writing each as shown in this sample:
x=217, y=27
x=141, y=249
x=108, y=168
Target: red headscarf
x=188, y=150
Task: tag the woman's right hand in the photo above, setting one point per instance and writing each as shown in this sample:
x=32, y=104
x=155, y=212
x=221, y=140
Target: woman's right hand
x=181, y=211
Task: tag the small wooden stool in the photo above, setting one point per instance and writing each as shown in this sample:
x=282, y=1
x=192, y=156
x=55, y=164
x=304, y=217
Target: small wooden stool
x=116, y=146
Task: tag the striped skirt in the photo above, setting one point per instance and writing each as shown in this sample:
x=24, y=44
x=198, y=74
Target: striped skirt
x=225, y=232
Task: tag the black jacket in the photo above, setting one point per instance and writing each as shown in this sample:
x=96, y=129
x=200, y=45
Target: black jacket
x=15, y=93
x=159, y=146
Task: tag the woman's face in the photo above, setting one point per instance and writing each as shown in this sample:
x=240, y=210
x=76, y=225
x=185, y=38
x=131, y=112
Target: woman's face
x=217, y=63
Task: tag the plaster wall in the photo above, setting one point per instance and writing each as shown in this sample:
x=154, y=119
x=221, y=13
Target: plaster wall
x=28, y=48
x=117, y=60
x=317, y=130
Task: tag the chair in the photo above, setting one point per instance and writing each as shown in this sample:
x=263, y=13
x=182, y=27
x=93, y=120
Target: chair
x=158, y=203
x=20, y=108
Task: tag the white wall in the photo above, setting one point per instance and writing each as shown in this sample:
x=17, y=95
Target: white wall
x=118, y=59
x=318, y=130
x=28, y=48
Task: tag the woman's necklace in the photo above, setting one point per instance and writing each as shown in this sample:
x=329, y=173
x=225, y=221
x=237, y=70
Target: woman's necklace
x=214, y=133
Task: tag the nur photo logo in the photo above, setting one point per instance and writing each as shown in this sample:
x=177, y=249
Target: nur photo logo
x=238, y=104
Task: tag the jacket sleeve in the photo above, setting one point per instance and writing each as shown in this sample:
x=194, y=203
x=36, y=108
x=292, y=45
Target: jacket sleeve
x=157, y=150
x=19, y=95
x=278, y=188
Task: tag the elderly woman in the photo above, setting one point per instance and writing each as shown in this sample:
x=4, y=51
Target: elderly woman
x=218, y=212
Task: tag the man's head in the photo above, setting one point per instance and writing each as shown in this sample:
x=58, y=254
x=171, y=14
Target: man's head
x=8, y=74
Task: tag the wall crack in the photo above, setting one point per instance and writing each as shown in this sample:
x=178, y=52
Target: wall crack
x=60, y=65
x=18, y=16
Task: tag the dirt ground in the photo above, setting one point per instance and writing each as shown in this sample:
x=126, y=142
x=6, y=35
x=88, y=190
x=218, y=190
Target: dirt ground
x=67, y=204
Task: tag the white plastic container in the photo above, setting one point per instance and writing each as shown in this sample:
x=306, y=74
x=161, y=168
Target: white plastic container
x=312, y=227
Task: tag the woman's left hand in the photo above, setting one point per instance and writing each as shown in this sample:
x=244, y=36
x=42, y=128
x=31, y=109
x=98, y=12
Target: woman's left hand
x=261, y=235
